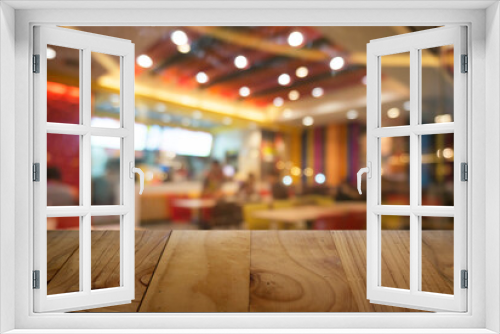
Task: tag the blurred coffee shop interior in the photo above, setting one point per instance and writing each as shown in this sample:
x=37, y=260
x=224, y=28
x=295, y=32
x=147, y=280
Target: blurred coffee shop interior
x=245, y=127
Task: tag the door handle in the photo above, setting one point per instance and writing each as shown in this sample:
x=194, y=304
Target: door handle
x=368, y=171
x=141, y=176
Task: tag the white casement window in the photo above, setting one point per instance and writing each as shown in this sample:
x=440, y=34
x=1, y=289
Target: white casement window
x=446, y=130
x=81, y=136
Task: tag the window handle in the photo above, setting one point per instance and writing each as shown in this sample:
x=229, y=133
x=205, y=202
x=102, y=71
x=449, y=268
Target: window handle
x=368, y=171
x=141, y=176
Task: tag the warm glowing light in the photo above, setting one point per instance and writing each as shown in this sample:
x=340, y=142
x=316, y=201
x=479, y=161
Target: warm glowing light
x=184, y=48
x=295, y=39
x=202, y=77
x=294, y=95
x=287, y=113
x=446, y=118
x=308, y=121
x=302, y=72
x=317, y=92
x=51, y=53
x=278, y=101
x=244, y=91
x=308, y=171
x=352, y=114
x=337, y=63
x=197, y=114
x=227, y=121
x=320, y=178
x=295, y=171
x=448, y=153
x=364, y=80
x=144, y=61
x=280, y=164
x=179, y=37
x=284, y=79
x=241, y=62
x=393, y=113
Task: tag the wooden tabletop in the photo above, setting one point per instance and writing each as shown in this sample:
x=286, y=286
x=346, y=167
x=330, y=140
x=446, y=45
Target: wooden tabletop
x=307, y=212
x=251, y=271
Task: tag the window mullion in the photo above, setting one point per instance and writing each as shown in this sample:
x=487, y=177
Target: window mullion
x=85, y=230
x=415, y=252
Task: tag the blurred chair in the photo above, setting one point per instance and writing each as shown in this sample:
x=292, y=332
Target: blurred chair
x=225, y=214
x=341, y=221
x=255, y=223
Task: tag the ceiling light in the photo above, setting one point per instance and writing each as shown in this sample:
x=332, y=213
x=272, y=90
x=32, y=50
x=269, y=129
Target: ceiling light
x=393, y=113
x=202, y=77
x=406, y=105
x=179, y=37
x=197, y=114
x=352, y=114
x=244, y=91
x=294, y=95
x=287, y=180
x=448, y=153
x=144, y=61
x=51, y=53
x=295, y=39
x=227, y=121
x=160, y=107
x=308, y=171
x=320, y=178
x=184, y=48
x=445, y=118
x=337, y=63
x=241, y=62
x=284, y=79
x=308, y=121
x=278, y=101
x=318, y=92
x=287, y=113
x=302, y=72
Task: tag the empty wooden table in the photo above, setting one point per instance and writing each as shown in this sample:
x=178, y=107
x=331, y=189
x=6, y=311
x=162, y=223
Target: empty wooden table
x=254, y=271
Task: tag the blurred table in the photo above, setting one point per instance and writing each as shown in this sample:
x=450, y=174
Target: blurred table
x=300, y=215
x=195, y=204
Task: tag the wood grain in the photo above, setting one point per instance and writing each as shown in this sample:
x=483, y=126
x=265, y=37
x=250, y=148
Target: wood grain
x=297, y=271
x=62, y=245
x=437, y=261
x=201, y=271
x=351, y=246
x=149, y=246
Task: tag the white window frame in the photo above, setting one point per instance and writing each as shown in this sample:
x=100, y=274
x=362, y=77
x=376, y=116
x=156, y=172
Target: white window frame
x=85, y=297
x=483, y=102
x=414, y=44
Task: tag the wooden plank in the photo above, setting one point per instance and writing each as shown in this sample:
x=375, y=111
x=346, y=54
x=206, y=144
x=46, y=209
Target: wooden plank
x=396, y=259
x=105, y=262
x=60, y=247
x=437, y=261
x=201, y=271
x=351, y=246
x=297, y=271
x=149, y=246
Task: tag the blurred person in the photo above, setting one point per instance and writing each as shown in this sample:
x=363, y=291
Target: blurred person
x=248, y=189
x=58, y=192
x=278, y=189
x=214, y=178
